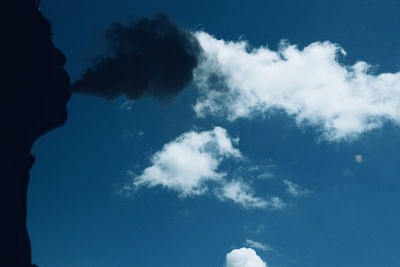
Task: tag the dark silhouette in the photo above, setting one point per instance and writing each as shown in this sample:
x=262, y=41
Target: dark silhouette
x=34, y=93
x=148, y=57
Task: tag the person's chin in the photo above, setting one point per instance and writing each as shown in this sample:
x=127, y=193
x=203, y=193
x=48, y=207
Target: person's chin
x=60, y=117
x=58, y=108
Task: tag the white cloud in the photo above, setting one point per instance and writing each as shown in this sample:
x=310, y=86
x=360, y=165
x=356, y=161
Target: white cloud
x=244, y=257
x=190, y=165
x=308, y=84
x=258, y=245
x=186, y=163
x=242, y=194
x=295, y=190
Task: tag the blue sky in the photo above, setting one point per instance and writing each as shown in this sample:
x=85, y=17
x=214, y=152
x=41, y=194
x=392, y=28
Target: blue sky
x=148, y=183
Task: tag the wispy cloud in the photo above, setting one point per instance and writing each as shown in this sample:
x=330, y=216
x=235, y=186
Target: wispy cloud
x=241, y=193
x=253, y=230
x=127, y=105
x=183, y=216
x=262, y=171
x=128, y=135
x=258, y=245
x=295, y=190
x=265, y=175
x=190, y=165
x=259, y=228
x=244, y=257
x=236, y=81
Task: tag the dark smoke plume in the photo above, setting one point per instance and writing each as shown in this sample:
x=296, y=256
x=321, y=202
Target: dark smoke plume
x=148, y=57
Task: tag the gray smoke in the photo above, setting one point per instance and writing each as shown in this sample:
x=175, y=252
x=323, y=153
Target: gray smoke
x=148, y=57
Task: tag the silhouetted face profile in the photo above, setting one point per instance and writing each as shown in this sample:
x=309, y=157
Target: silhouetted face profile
x=36, y=88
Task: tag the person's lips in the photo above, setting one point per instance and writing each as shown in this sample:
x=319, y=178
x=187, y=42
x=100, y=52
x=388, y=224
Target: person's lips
x=67, y=88
x=61, y=86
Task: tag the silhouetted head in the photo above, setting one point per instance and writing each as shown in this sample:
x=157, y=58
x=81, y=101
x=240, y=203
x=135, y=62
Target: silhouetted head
x=34, y=85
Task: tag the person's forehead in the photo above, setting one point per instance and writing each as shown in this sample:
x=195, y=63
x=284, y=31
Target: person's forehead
x=29, y=19
x=45, y=25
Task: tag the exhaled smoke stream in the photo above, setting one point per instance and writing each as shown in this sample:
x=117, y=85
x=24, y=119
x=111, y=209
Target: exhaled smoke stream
x=148, y=57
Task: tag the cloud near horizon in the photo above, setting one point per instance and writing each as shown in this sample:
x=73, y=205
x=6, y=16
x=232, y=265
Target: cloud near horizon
x=244, y=257
x=190, y=165
x=342, y=102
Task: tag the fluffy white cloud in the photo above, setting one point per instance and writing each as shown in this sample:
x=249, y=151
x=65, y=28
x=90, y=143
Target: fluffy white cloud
x=241, y=193
x=258, y=245
x=186, y=163
x=244, y=257
x=309, y=84
x=295, y=190
x=190, y=165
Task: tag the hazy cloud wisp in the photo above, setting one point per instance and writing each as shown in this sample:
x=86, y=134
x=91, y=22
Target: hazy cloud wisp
x=258, y=245
x=295, y=190
x=240, y=192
